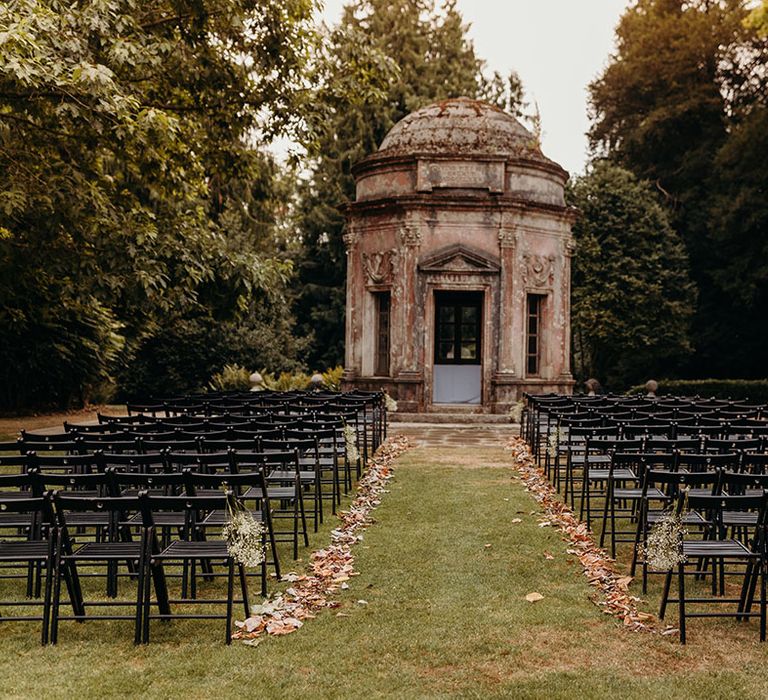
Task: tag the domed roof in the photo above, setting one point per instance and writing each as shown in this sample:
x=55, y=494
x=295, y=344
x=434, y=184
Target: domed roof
x=460, y=126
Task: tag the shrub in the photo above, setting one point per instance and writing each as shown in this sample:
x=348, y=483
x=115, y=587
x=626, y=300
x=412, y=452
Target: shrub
x=231, y=378
x=286, y=381
x=332, y=378
x=736, y=389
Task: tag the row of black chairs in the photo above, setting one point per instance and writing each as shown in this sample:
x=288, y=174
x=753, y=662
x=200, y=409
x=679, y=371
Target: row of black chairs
x=143, y=535
x=127, y=496
x=710, y=465
x=371, y=407
x=542, y=413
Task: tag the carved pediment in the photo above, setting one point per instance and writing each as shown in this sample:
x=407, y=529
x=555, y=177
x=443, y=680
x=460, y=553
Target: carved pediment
x=459, y=259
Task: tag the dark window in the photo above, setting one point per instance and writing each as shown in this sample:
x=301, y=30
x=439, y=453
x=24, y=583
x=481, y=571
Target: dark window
x=533, y=335
x=457, y=328
x=382, y=333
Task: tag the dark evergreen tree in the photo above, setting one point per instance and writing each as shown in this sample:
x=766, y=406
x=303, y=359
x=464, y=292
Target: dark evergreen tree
x=632, y=296
x=680, y=105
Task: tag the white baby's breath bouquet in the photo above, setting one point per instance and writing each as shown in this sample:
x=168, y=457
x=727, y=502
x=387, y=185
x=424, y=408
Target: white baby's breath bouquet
x=350, y=440
x=516, y=412
x=243, y=535
x=389, y=403
x=663, y=550
x=553, y=441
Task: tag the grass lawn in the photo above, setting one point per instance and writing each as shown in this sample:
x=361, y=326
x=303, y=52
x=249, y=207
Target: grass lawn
x=446, y=616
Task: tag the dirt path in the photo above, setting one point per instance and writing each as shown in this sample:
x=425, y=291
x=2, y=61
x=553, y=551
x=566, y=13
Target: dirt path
x=10, y=427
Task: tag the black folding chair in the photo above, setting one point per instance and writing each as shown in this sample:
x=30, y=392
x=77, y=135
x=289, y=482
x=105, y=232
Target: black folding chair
x=624, y=490
x=247, y=487
x=660, y=489
x=284, y=486
x=186, y=551
x=109, y=552
x=723, y=552
x=37, y=550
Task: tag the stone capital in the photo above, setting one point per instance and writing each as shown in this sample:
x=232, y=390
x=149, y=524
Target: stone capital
x=410, y=235
x=507, y=237
x=350, y=236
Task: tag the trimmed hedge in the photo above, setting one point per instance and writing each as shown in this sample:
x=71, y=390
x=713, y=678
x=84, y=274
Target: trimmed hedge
x=753, y=389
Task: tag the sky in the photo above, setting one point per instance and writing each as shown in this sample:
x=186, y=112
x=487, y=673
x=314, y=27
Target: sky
x=557, y=47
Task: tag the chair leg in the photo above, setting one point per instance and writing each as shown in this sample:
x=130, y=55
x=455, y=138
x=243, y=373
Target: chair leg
x=746, y=587
x=303, y=515
x=267, y=517
x=762, y=600
x=751, y=592
x=645, y=576
x=230, y=596
x=56, y=598
x=244, y=589
x=146, y=598
x=336, y=485
x=47, y=595
x=161, y=587
x=665, y=594
x=137, y=634
x=585, y=504
x=722, y=577
x=638, y=532
x=681, y=600
x=608, y=497
x=296, y=525
x=613, y=527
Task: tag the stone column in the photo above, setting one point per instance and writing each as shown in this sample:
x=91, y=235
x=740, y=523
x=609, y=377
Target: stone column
x=507, y=250
x=408, y=321
x=352, y=350
x=505, y=379
x=569, y=248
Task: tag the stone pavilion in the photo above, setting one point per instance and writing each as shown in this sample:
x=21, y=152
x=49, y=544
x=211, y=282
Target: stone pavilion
x=459, y=255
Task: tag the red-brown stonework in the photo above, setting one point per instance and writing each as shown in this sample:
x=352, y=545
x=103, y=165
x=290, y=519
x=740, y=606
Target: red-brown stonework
x=459, y=198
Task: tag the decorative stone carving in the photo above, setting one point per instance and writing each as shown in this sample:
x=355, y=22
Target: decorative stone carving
x=539, y=270
x=458, y=259
x=410, y=235
x=569, y=247
x=507, y=238
x=380, y=267
x=350, y=237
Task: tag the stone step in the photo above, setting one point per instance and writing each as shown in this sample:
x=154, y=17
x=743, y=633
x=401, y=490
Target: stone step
x=455, y=418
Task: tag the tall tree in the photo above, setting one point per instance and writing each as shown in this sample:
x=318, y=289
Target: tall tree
x=632, y=297
x=673, y=105
x=420, y=54
x=126, y=137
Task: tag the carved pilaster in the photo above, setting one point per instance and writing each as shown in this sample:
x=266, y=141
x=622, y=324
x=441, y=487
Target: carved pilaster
x=508, y=240
x=406, y=318
x=569, y=250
